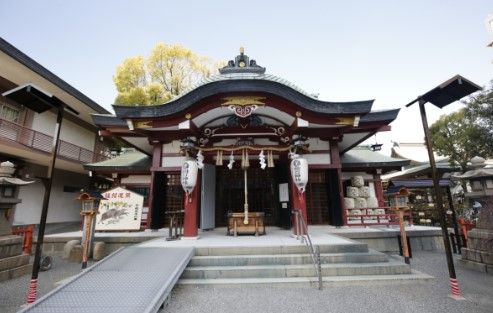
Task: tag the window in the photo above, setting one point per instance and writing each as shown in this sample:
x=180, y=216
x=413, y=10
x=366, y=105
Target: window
x=489, y=183
x=10, y=113
x=476, y=185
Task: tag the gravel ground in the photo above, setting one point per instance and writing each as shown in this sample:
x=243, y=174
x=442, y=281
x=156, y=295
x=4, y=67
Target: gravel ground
x=422, y=297
x=13, y=293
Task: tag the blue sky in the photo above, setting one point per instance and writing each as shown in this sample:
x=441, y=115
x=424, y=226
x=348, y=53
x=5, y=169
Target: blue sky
x=390, y=51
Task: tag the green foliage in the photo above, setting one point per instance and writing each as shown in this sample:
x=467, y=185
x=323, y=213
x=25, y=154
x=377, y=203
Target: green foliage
x=468, y=132
x=166, y=73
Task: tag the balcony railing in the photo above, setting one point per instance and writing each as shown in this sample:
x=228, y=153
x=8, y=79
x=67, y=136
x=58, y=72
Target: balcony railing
x=43, y=142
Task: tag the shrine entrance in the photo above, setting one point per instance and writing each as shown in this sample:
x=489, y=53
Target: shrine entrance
x=262, y=193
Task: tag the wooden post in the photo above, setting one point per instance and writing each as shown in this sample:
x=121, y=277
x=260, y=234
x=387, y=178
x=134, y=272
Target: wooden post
x=439, y=201
x=335, y=160
x=33, y=284
x=377, y=181
x=405, y=248
x=156, y=164
x=191, y=204
x=299, y=202
x=88, y=216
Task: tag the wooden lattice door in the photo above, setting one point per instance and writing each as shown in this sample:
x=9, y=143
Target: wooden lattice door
x=317, y=201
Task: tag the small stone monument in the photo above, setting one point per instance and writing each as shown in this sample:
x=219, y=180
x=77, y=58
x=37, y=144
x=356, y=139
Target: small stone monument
x=13, y=263
x=479, y=252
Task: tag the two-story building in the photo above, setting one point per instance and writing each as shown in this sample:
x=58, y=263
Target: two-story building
x=26, y=138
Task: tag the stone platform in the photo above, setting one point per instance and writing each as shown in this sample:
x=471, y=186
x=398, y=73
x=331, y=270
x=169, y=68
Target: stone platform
x=478, y=255
x=383, y=239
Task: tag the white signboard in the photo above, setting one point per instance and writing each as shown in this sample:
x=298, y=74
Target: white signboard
x=122, y=210
x=283, y=192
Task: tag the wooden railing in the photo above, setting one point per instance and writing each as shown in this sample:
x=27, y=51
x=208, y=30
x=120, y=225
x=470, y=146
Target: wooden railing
x=43, y=142
x=369, y=217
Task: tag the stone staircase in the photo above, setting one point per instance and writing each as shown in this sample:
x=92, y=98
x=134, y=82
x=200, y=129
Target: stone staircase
x=292, y=264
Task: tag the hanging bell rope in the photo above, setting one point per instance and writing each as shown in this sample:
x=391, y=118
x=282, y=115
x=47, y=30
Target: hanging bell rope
x=270, y=159
x=247, y=161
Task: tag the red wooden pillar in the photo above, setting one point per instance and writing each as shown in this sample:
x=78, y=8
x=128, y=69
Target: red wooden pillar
x=299, y=202
x=191, y=207
x=335, y=160
x=157, y=156
x=377, y=181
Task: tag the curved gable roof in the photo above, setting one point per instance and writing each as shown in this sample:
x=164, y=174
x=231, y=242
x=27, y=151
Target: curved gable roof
x=244, y=82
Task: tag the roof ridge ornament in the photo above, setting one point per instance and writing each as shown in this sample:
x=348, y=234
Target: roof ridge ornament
x=242, y=64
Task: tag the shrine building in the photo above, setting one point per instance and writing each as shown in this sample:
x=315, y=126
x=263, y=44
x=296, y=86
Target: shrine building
x=243, y=128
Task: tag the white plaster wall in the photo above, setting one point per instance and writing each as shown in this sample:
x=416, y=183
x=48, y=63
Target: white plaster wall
x=317, y=144
x=172, y=147
x=317, y=158
x=137, y=179
x=63, y=205
x=172, y=161
x=71, y=132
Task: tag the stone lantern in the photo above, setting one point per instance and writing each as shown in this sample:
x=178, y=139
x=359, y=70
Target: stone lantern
x=12, y=262
x=479, y=252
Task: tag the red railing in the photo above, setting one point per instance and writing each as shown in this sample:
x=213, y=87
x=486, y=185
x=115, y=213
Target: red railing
x=368, y=217
x=43, y=142
x=27, y=232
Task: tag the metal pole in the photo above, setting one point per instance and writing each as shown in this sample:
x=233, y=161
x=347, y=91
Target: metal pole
x=33, y=284
x=439, y=201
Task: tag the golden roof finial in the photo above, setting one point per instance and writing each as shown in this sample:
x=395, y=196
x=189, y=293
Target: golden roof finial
x=242, y=50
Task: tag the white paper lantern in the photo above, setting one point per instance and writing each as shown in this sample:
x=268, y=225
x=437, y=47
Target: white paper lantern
x=299, y=172
x=189, y=171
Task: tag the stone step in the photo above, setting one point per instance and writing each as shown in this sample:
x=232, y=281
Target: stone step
x=304, y=270
x=13, y=261
x=287, y=259
x=288, y=249
x=15, y=272
x=309, y=281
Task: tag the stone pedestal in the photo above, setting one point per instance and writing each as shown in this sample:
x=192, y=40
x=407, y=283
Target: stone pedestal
x=12, y=262
x=479, y=252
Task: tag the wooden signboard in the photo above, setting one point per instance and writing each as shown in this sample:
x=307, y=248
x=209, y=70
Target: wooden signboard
x=121, y=211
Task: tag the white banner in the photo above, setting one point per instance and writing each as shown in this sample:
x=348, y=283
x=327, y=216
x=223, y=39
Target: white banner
x=122, y=210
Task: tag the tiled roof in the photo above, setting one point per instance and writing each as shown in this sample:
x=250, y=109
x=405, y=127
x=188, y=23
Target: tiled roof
x=131, y=160
x=362, y=156
x=34, y=66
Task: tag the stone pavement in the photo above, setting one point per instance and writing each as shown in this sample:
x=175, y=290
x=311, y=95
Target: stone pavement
x=430, y=296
